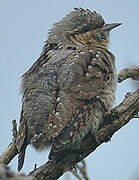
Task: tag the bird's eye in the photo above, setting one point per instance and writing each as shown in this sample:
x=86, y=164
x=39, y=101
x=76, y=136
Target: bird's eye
x=85, y=29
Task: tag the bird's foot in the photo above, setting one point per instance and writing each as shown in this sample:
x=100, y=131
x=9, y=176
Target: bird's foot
x=73, y=169
x=100, y=141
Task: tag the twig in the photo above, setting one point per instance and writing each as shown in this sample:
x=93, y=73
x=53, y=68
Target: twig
x=76, y=175
x=132, y=72
x=83, y=170
x=11, y=150
x=7, y=174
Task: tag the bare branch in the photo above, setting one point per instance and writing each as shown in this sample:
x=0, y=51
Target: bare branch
x=132, y=72
x=83, y=170
x=76, y=175
x=81, y=167
x=11, y=150
x=7, y=174
x=119, y=116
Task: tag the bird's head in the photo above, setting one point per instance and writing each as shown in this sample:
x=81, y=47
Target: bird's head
x=81, y=27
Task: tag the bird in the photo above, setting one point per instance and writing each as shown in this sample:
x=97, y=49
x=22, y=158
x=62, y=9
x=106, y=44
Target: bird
x=70, y=87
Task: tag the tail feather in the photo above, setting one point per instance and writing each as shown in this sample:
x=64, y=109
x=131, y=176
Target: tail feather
x=56, y=150
x=21, y=157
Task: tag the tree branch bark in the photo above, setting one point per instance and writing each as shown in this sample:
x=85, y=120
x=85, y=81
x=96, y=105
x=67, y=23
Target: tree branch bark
x=132, y=72
x=11, y=150
x=119, y=116
x=7, y=174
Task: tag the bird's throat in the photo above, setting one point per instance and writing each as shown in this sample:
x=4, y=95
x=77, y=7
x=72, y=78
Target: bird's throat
x=88, y=40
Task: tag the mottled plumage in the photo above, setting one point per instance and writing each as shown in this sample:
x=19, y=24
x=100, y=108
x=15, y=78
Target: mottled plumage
x=70, y=87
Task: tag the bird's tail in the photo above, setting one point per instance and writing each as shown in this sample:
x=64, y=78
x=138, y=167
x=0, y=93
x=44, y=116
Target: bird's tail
x=21, y=157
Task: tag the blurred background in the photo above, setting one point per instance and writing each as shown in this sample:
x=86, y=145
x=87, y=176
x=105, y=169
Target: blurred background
x=23, y=29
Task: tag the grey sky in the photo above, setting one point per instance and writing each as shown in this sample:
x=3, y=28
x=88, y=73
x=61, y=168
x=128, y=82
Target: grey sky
x=23, y=29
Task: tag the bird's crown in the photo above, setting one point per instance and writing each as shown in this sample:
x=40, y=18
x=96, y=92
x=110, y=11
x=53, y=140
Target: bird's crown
x=81, y=26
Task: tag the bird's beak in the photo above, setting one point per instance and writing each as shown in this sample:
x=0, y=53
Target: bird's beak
x=109, y=27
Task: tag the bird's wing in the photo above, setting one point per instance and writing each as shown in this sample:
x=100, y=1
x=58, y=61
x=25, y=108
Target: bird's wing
x=84, y=76
x=39, y=100
x=22, y=138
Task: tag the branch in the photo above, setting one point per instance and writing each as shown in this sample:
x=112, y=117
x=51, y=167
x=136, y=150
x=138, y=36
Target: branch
x=118, y=117
x=11, y=150
x=7, y=174
x=82, y=169
x=132, y=72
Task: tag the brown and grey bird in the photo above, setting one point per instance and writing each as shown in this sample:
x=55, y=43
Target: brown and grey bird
x=67, y=91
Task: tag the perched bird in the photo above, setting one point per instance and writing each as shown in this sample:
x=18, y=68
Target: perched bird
x=67, y=91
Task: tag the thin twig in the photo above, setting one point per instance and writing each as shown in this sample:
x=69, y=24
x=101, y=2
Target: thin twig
x=132, y=72
x=11, y=150
x=76, y=175
x=7, y=174
x=83, y=170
